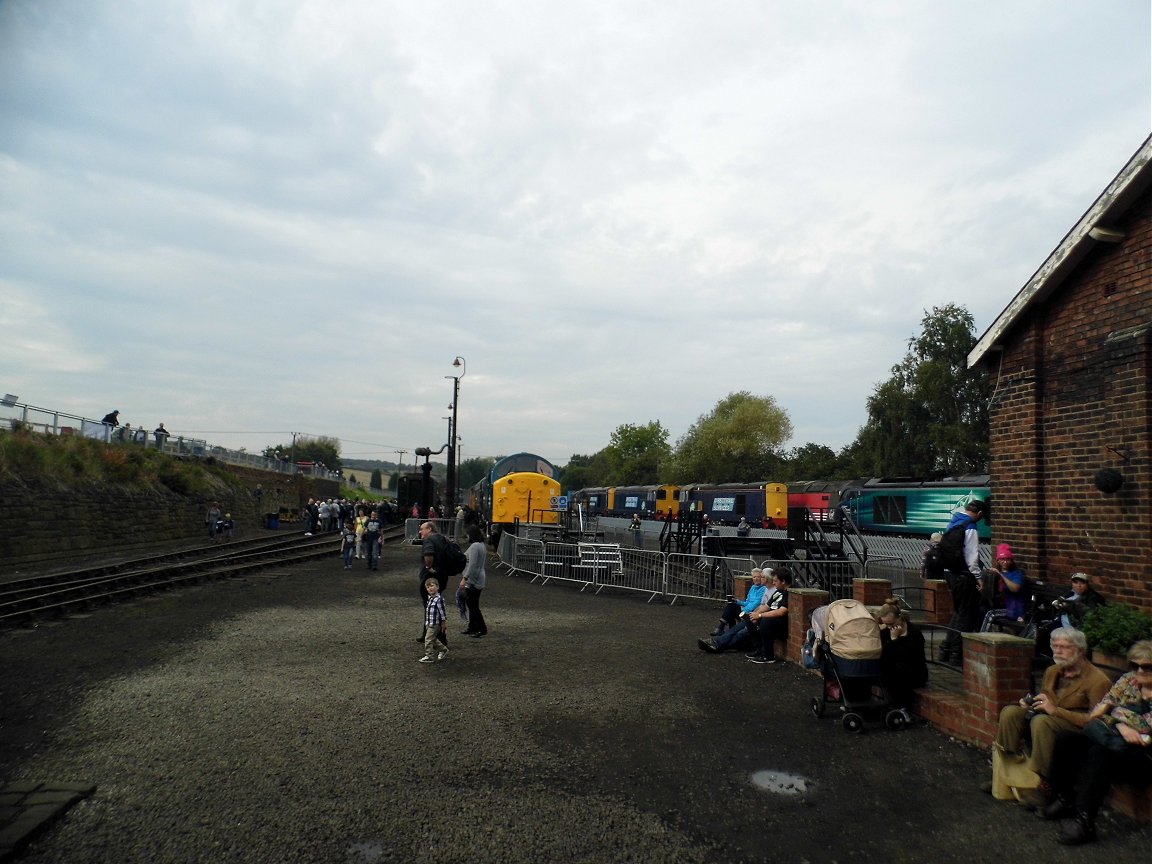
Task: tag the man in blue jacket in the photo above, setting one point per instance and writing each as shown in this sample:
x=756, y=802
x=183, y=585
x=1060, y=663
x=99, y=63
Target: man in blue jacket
x=960, y=554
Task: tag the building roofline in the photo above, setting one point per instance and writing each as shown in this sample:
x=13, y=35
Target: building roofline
x=1095, y=226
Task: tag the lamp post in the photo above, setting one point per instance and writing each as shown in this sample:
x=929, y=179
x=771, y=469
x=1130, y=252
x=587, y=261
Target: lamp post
x=460, y=364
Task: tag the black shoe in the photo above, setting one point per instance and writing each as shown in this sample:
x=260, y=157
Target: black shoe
x=1058, y=809
x=478, y=635
x=707, y=645
x=465, y=632
x=1077, y=831
x=752, y=655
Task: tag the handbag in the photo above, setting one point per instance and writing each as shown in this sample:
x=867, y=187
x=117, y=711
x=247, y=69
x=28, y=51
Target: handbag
x=1106, y=735
x=808, y=651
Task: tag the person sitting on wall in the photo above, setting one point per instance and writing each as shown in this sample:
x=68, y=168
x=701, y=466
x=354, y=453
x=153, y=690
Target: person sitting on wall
x=735, y=611
x=1026, y=736
x=1115, y=746
x=743, y=529
x=903, y=666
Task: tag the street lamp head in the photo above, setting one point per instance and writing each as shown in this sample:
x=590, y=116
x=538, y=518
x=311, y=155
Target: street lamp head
x=460, y=364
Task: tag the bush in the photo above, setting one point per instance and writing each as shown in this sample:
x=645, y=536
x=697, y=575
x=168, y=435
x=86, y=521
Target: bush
x=1113, y=628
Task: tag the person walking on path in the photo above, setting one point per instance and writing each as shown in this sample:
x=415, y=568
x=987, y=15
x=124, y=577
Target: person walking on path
x=372, y=540
x=435, y=623
x=474, y=580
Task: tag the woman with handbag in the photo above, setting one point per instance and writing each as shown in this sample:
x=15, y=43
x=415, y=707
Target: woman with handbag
x=1115, y=747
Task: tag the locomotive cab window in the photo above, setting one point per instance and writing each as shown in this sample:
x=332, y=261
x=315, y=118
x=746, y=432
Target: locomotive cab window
x=890, y=509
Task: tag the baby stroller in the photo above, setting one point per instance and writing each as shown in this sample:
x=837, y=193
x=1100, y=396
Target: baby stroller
x=847, y=648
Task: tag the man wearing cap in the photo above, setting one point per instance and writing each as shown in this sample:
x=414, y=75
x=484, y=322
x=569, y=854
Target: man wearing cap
x=1083, y=599
x=963, y=575
x=1070, y=610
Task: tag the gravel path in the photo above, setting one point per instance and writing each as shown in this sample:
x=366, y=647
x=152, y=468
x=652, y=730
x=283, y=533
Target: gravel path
x=284, y=718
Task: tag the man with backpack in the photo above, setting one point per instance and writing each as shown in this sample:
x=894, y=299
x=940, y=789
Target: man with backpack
x=959, y=553
x=441, y=559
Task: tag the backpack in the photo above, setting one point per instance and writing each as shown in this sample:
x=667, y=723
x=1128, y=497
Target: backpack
x=455, y=561
x=951, y=549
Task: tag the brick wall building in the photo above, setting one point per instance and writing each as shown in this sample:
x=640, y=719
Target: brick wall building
x=1071, y=361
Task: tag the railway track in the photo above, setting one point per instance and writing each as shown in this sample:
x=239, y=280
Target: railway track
x=28, y=600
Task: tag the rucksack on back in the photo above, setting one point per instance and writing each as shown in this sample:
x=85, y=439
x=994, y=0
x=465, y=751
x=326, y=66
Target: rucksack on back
x=455, y=561
x=951, y=548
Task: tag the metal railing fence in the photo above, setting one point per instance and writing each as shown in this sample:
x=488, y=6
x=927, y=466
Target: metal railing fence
x=51, y=422
x=452, y=528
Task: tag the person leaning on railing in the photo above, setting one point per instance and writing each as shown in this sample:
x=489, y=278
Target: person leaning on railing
x=1114, y=747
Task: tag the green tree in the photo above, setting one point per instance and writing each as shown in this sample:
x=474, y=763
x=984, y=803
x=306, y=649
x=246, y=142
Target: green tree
x=375, y=481
x=578, y=474
x=635, y=453
x=319, y=449
x=812, y=462
x=930, y=419
x=738, y=441
x=472, y=471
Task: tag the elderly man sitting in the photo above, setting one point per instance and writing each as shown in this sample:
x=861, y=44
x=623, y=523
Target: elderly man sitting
x=1068, y=692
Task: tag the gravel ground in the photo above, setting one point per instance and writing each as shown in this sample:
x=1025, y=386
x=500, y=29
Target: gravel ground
x=285, y=718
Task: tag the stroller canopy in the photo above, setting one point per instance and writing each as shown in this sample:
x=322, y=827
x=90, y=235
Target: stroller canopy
x=849, y=629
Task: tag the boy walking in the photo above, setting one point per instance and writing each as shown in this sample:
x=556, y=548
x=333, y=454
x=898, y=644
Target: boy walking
x=348, y=545
x=435, y=623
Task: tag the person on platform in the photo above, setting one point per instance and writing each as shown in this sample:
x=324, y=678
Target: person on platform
x=161, y=436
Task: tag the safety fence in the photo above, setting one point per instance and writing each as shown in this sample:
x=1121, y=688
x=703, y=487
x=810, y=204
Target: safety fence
x=452, y=528
x=667, y=575
x=47, y=421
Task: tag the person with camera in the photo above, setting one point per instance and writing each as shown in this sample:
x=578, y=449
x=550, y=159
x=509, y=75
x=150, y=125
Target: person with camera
x=1026, y=736
x=1070, y=610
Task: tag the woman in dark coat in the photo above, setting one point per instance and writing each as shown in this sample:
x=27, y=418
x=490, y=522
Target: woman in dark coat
x=903, y=666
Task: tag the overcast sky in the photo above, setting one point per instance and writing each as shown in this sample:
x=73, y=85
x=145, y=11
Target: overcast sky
x=246, y=218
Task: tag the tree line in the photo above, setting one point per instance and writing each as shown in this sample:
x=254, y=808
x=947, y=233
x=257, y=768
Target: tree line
x=928, y=419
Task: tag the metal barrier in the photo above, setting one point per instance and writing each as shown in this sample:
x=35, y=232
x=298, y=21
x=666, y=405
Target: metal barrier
x=450, y=528
x=670, y=575
x=705, y=576
x=49, y=422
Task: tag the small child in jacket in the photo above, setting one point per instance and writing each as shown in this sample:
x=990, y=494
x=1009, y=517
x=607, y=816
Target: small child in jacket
x=435, y=623
x=348, y=545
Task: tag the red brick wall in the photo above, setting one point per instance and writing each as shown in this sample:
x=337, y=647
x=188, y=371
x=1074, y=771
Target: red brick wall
x=1072, y=397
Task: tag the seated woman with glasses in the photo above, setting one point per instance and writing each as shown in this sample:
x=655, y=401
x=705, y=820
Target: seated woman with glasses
x=1115, y=747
